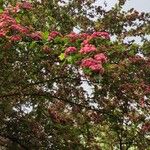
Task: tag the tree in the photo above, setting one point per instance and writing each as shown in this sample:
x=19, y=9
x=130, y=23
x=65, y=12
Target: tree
x=46, y=72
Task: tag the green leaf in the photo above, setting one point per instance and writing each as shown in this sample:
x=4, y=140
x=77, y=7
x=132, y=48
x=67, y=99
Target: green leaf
x=58, y=40
x=18, y=19
x=45, y=35
x=69, y=59
x=1, y=10
x=87, y=71
x=32, y=44
x=62, y=56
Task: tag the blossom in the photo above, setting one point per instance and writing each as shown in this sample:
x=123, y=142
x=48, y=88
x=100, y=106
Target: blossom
x=26, y=5
x=72, y=36
x=101, y=34
x=70, y=50
x=85, y=42
x=17, y=8
x=92, y=64
x=3, y=24
x=15, y=38
x=87, y=49
x=146, y=127
x=36, y=36
x=53, y=35
x=2, y=33
x=88, y=62
x=13, y=9
x=50, y=38
x=46, y=49
x=19, y=28
x=83, y=35
x=97, y=68
x=100, y=57
x=6, y=18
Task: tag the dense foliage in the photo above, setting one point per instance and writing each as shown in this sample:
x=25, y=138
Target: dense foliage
x=66, y=90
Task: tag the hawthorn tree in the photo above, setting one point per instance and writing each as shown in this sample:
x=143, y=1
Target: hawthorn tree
x=46, y=69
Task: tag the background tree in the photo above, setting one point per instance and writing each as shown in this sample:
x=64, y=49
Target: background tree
x=36, y=74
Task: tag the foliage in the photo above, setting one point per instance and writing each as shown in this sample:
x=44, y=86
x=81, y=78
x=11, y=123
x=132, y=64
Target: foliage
x=46, y=68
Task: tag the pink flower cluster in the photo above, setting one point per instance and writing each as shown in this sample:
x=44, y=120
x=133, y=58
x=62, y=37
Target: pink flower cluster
x=95, y=64
x=70, y=50
x=14, y=9
x=83, y=35
x=2, y=33
x=146, y=127
x=87, y=49
x=6, y=20
x=101, y=34
x=72, y=37
x=88, y=38
x=100, y=58
x=5, y=23
x=19, y=28
x=15, y=38
x=13, y=31
x=53, y=35
x=26, y=5
x=92, y=64
x=9, y=24
x=36, y=36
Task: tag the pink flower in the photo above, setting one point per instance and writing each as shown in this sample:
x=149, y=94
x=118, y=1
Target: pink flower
x=85, y=42
x=92, y=64
x=70, y=50
x=72, y=36
x=83, y=35
x=50, y=38
x=88, y=62
x=26, y=5
x=19, y=28
x=6, y=18
x=87, y=49
x=101, y=34
x=15, y=38
x=100, y=57
x=17, y=8
x=2, y=33
x=36, y=36
x=46, y=49
x=15, y=27
x=13, y=9
x=146, y=127
x=53, y=35
x=3, y=24
x=97, y=68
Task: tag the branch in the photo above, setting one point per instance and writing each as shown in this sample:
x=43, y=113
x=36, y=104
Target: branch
x=7, y=139
x=53, y=96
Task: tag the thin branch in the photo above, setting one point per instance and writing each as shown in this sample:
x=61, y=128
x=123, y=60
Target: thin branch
x=13, y=140
x=53, y=96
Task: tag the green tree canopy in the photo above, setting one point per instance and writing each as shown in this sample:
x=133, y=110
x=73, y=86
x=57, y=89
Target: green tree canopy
x=66, y=90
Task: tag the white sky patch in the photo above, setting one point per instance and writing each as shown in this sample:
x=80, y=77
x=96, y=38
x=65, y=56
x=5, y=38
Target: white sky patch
x=140, y=5
x=108, y=4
